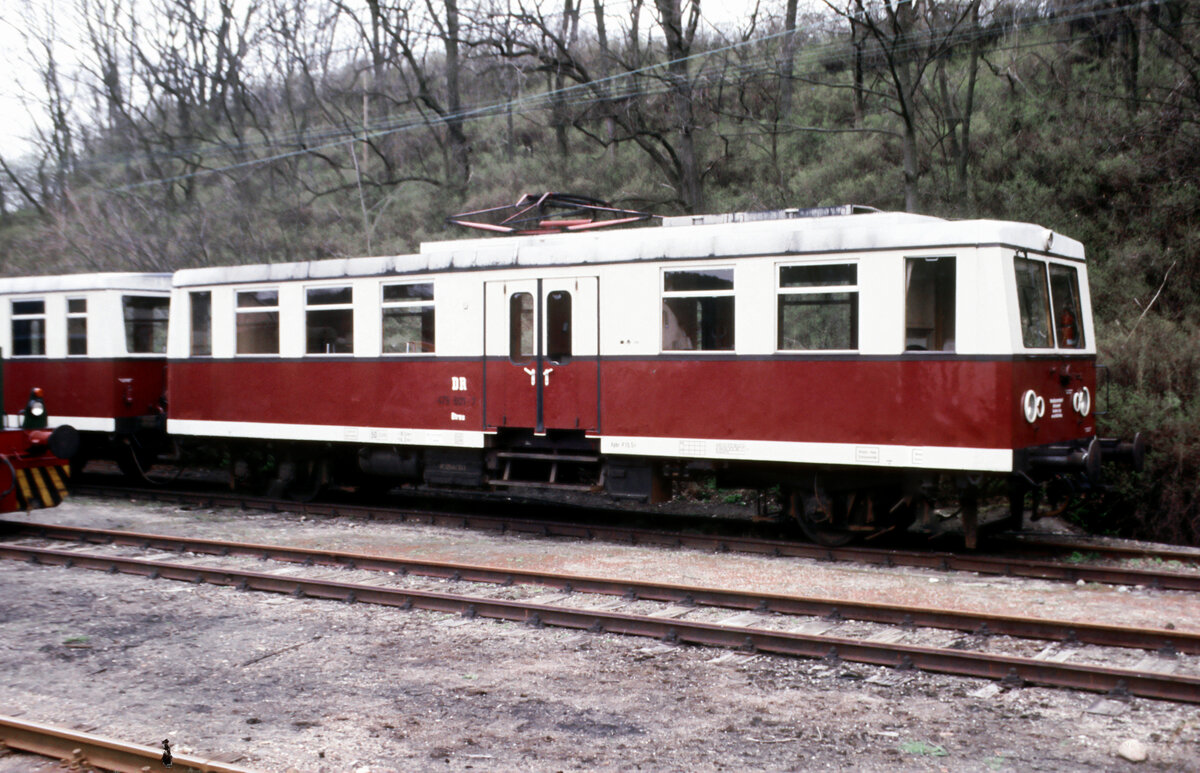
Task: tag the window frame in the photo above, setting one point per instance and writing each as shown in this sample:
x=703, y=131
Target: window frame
x=191, y=296
x=517, y=327
x=15, y=316
x=854, y=290
x=1047, y=263
x=239, y=310
x=1082, y=333
x=939, y=314
x=665, y=294
x=419, y=304
x=165, y=323
x=74, y=315
x=343, y=306
x=564, y=338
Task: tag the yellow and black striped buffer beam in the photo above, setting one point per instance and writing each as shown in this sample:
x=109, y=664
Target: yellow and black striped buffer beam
x=41, y=486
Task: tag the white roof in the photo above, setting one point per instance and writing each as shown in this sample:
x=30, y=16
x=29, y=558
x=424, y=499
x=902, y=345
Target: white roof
x=817, y=235
x=138, y=282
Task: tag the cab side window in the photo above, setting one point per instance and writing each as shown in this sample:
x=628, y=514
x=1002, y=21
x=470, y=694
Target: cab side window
x=929, y=307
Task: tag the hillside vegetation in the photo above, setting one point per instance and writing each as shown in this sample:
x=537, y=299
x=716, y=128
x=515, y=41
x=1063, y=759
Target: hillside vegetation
x=193, y=132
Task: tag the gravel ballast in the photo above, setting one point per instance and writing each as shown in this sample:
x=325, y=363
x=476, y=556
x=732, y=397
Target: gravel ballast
x=278, y=683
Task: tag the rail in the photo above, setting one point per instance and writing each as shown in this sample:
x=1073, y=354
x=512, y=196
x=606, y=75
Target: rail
x=83, y=750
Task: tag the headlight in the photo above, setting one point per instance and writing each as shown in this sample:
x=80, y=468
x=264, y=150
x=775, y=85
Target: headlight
x=37, y=408
x=1082, y=401
x=1033, y=406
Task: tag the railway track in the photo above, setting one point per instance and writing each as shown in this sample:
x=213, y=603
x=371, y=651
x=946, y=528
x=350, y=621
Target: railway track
x=86, y=751
x=804, y=627
x=1077, y=567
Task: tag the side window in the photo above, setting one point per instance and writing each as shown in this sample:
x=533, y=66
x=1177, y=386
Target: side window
x=520, y=327
x=408, y=318
x=29, y=328
x=329, y=320
x=818, y=307
x=201, y=303
x=929, y=306
x=558, y=326
x=697, y=310
x=145, y=324
x=76, y=326
x=1064, y=290
x=1033, y=298
x=258, y=322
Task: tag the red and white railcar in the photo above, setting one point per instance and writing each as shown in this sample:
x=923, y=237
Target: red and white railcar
x=96, y=345
x=848, y=358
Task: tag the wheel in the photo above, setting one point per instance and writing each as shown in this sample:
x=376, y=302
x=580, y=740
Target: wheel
x=818, y=517
x=307, y=479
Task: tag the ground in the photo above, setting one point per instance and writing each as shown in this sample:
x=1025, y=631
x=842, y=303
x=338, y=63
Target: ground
x=279, y=683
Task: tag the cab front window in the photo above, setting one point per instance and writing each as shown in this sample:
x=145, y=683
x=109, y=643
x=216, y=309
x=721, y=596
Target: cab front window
x=1049, y=302
x=1064, y=294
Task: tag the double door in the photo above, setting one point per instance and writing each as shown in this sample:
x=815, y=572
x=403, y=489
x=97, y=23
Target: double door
x=542, y=338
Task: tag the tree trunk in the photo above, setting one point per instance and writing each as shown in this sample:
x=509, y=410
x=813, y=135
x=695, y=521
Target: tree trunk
x=679, y=42
x=788, y=64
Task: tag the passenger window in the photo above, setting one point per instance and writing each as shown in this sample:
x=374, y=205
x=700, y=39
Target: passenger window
x=929, y=305
x=29, y=328
x=329, y=320
x=1033, y=298
x=1064, y=290
x=520, y=327
x=258, y=322
x=76, y=326
x=146, y=324
x=698, y=310
x=558, y=326
x=408, y=318
x=201, y=303
x=818, y=307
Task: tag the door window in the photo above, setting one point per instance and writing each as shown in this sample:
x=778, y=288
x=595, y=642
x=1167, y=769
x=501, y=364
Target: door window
x=520, y=327
x=558, y=326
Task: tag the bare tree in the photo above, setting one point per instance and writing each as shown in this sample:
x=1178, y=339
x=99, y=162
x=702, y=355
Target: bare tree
x=908, y=37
